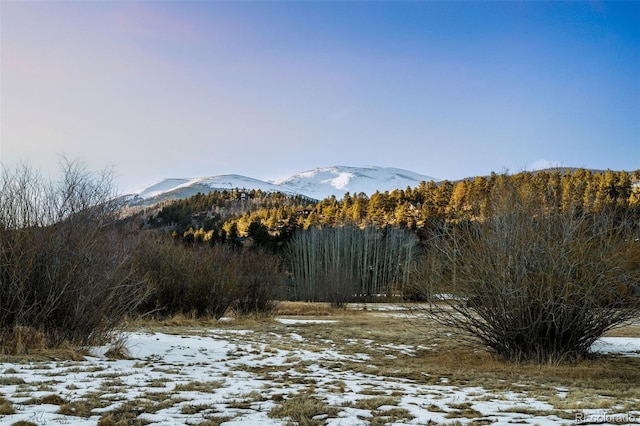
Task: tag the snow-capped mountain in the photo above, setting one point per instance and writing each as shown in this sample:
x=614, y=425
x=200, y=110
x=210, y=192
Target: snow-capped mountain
x=324, y=182
x=186, y=187
x=178, y=188
x=317, y=184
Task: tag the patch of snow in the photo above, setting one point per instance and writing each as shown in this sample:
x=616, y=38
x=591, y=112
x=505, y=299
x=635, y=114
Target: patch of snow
x=629, y=346
x=159, y=187
x=340, y=182
x=303, y=321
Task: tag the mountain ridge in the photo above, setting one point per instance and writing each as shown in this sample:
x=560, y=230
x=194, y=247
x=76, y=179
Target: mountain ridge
x=316, y=183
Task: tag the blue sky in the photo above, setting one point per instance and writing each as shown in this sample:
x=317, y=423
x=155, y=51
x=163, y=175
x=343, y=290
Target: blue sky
x=267, y=89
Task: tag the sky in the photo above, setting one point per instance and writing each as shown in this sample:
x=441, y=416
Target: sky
x=266, y=89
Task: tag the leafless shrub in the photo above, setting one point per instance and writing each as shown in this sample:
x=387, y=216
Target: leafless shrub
x=187, y=280
x=64, y=270
x=535, y=284
x=206, y=281
x=262, y=283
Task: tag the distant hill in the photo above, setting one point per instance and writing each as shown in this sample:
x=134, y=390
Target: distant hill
x=179, y=188
x=316, y=184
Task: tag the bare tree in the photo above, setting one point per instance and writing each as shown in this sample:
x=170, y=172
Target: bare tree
x=533, y=283
x=341, y=264
x=64, y=270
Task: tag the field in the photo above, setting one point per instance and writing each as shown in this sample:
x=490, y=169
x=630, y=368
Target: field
x=311, y=365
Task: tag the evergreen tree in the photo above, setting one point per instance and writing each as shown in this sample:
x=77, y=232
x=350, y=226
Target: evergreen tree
x=259, y=233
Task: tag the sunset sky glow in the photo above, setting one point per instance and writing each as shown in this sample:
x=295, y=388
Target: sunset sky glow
x=267, y=89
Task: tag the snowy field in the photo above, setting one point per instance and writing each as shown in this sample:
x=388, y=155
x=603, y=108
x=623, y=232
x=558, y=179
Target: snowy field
x=241, y=376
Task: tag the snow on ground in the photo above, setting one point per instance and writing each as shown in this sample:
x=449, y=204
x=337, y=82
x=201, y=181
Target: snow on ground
x=617, y=345
x=242, y=375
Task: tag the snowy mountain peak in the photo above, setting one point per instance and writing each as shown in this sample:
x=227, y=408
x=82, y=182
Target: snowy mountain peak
x=317, y=183
x=337, y=180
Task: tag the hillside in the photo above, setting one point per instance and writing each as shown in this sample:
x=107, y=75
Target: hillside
x=316, y=184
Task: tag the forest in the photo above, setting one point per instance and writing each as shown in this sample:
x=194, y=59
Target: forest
x=272, y=218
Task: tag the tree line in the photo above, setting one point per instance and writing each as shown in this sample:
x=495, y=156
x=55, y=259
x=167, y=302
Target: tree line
x=417, y=209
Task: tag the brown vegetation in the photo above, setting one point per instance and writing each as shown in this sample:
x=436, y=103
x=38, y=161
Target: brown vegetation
x=206, y=281
x=65, y=273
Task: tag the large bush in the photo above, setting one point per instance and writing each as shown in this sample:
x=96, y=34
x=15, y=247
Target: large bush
x=201, y=280
x=533, y=283
x=65, y=270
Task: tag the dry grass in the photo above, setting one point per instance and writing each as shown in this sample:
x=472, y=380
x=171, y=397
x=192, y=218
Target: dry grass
x=463, y=410
x=191, y=321
x=195, y=409
x=215, y=420
x=11, y=380
x=84, y=406
x=22, y=340
x=436, y=409
x=391, y=416
x=308, y=309
x=63, y=352
x=26, y=344
x=244, y=402
x=539, y=412
x=6, y=407
x=431, y=356
x=204, y=387
x=128, y=417
x=178, y=320
x=51, y=399
x=375, y=403
x=304, y=409
x=628, y=331
x=118, y=349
